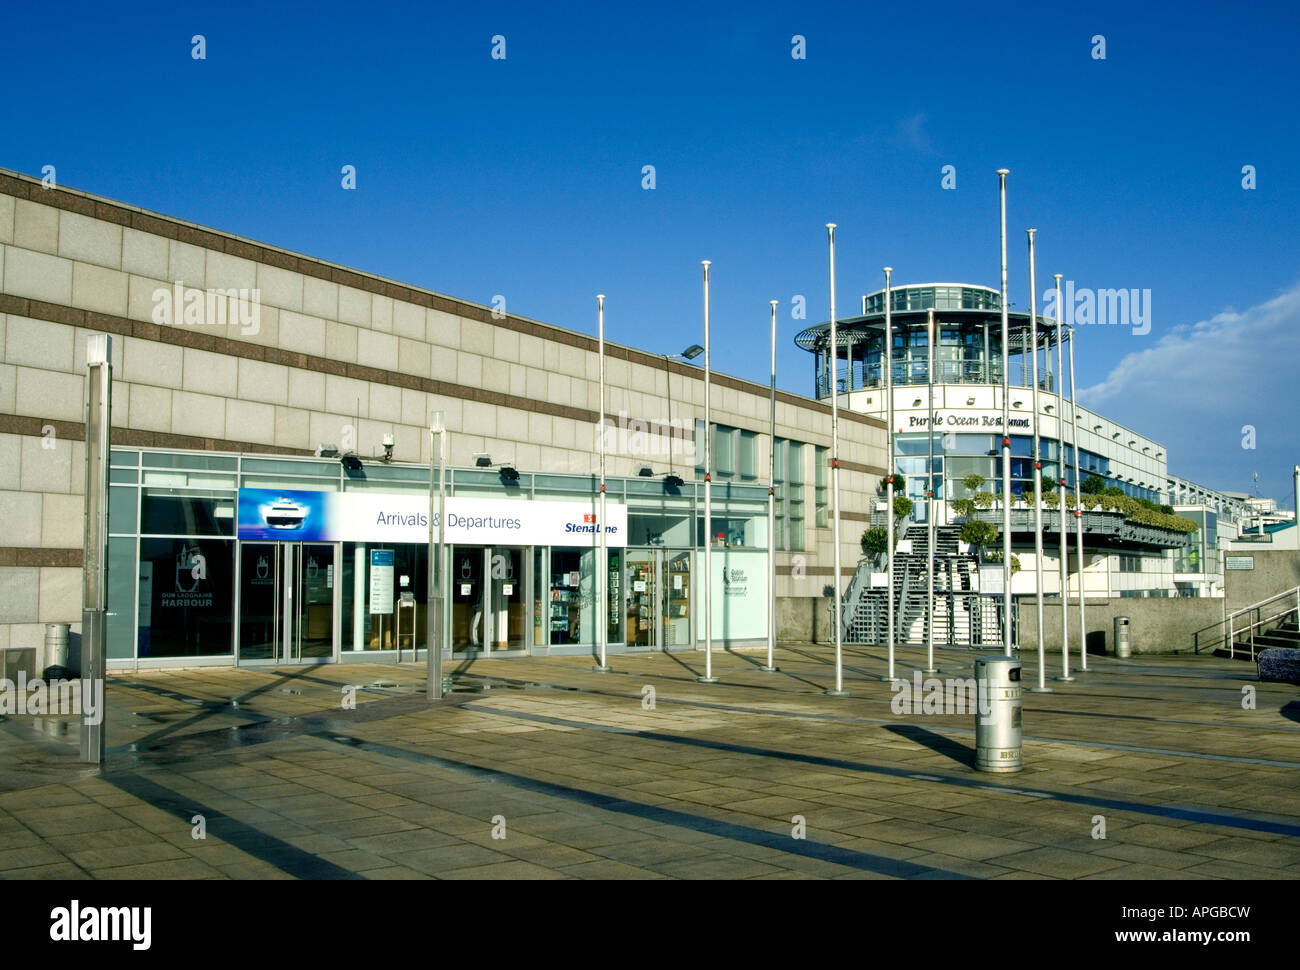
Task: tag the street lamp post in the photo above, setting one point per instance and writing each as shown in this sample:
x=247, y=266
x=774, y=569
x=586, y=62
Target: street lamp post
x=708, y=677
x=433, y=683
x=94, y=577
x=690, y=353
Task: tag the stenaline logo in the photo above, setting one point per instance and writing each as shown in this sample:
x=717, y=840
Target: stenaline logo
x=589, y=526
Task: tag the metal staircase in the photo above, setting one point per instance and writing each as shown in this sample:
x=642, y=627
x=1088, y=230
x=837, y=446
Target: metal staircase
x=1271, y=622
x=961, y=616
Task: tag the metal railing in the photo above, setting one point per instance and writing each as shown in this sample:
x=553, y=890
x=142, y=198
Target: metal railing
x=1278, y=606
x=962, y=372
x=961, y=616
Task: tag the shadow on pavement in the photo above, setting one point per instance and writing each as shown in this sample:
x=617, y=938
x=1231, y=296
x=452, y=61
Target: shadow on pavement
x=937, y=743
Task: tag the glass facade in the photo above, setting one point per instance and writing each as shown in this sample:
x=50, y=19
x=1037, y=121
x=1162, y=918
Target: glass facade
x=958, y=455
x=938, y=297
x=183, y=586
x=1201, y=554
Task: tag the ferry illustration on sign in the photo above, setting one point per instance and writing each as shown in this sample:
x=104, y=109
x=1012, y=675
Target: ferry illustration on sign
x=284, y=513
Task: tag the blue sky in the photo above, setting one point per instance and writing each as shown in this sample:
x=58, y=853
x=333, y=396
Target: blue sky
x=523, y=176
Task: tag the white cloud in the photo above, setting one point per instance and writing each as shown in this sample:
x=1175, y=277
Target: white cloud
x=1199, y=384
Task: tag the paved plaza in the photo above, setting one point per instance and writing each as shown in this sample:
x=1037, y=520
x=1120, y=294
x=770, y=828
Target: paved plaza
x=541, y=768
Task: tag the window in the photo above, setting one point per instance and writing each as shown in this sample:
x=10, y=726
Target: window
x=748, y=463
x=170, y=511
x=734, y=452
x=821, y=459
x=186, y=597
x=789, y=460
x=724, y=451
x=795, y=478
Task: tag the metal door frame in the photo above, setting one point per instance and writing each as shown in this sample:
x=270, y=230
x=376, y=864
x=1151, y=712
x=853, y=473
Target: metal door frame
x=286, y=562
x=654, y=556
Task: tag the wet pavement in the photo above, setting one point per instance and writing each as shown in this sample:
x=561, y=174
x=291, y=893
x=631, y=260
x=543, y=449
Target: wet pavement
x=542, y=768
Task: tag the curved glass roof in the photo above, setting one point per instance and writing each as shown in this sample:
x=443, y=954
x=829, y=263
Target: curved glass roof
x=961, y=305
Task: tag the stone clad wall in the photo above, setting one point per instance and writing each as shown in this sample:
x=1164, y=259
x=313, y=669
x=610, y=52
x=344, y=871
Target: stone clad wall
x=335, y=357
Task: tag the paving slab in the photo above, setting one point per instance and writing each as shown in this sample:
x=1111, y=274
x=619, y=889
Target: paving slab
x=705, y=786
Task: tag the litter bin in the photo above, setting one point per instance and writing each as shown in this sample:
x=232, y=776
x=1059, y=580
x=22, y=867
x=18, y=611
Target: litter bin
x=1123, y=642
x=997, y=715
x=56, y=650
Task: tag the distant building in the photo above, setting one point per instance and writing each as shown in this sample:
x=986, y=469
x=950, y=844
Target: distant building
x=1120, y=559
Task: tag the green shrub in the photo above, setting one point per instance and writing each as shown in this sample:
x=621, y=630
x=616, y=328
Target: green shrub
x=973, y=482
x=978, y=533
x=875, y=541
x=1052, y=500
x=962, y=506
x=1093, y=485
x=983, y=500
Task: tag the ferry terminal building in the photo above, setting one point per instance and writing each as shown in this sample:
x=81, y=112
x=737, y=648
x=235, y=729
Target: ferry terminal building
x=254, y=518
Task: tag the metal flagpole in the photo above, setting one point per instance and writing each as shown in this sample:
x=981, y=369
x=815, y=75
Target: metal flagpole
x=929, y=494
x=892, y=463
x=1006, y=431
x=1060, y=449
x=94, y=574
x=433, y=620
x=1078, y=515
x=708, y=677
x=839, y=690
x=1042, y=687
x=771, y=511
x=602, y=568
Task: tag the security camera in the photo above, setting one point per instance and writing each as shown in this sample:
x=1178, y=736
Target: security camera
x=388, y=447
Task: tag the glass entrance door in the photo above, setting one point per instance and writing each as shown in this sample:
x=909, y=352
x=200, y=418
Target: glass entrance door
x=287, y=602
x=259, y=602
x=677, y=601
x=642, y=598
x=313, y=636
x=488, y=601
x=505, y=588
